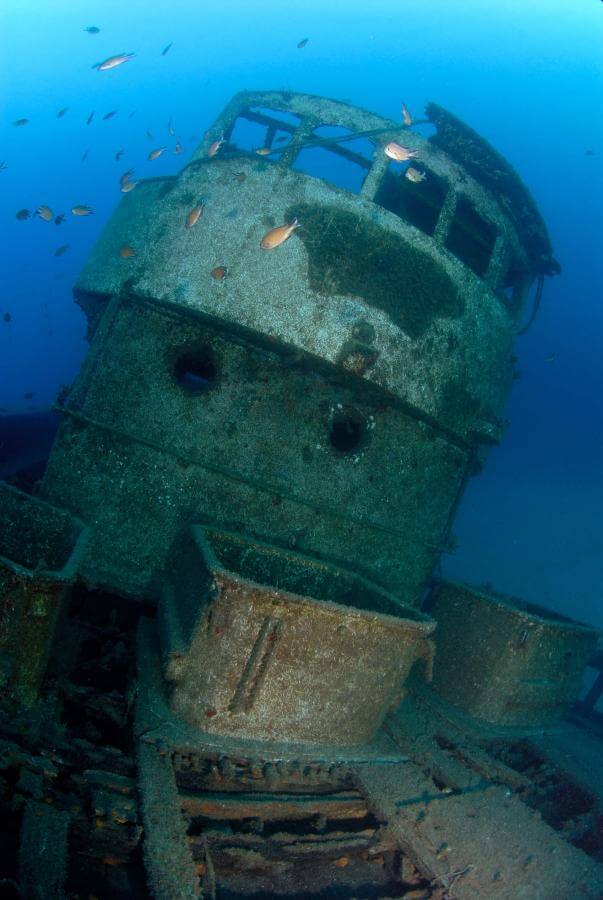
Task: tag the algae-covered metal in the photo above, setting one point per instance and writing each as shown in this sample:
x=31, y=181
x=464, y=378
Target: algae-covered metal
x=329, y=395
x=269, y=644
x=507, y=662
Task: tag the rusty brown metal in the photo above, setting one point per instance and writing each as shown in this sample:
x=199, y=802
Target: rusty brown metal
x=272, y=644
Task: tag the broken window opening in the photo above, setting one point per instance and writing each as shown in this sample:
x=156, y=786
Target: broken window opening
x=471, y=238
x=418, y=203
x=260, y=129
x=247, y=136
x=343, y=164
x=513, y=285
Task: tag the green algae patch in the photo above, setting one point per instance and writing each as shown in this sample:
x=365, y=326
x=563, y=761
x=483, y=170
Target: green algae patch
x=348, y=255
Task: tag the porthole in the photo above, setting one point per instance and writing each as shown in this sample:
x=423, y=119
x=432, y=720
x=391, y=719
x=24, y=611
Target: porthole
x=347, y=432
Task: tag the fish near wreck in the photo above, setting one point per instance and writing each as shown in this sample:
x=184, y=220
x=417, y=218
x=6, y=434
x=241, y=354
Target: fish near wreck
x=194, y=216
x=399, y=153
x=415, y=175
x=277, y=236
x=213, y=148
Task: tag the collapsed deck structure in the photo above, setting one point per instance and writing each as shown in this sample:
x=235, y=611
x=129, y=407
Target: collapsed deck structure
x=257, y=471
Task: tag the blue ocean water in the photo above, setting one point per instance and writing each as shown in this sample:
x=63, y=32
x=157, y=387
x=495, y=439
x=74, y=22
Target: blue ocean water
x=527, y=76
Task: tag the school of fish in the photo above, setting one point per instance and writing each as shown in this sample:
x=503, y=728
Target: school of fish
x=275, y=237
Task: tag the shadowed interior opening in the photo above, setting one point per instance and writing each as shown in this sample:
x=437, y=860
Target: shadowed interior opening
x=195, y=371
x=347, y=432
x=418, y=203
x=471, y=238
x=343, y=164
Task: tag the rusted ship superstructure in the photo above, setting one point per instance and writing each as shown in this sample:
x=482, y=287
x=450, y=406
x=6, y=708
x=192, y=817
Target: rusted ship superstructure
x=227, y=667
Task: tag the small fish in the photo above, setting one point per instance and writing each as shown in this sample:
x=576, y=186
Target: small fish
x=62, y=249
x=3, y=166
x=58, y=220
x=92, y=29
x=239, y=176
x=213, y=148
x=178, y=148
x=551, y=357
x=166, y=49
x=22, y=215
x=20, y=122
x=113, y=61
x=149, y=135
x=406, y=116
x=109, y=115
x=62, y=112
x=84, y=155
x=302, y=43
x=277, y=236
x=263, y=151
x=219, y=273
x=90, y=117
x=45, y=213
x=29, y=396
x=81, y=210
x=398, y=152
x=279, y=140
x=194, y=215
x=170, y=129
x=589, y=153
x=127, y=186
x=414, y=174
x=119, y=154
x=127, y=252
x=132, y=114
x=155, y=154
x=7, y=317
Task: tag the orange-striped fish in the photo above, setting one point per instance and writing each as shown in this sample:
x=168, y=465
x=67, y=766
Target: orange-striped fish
x=263, y=151
x=398, y=152
x=277, y=236
x=194, y=216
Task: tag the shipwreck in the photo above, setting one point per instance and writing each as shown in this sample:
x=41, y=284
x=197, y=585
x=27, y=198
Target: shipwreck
x=228, y=667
